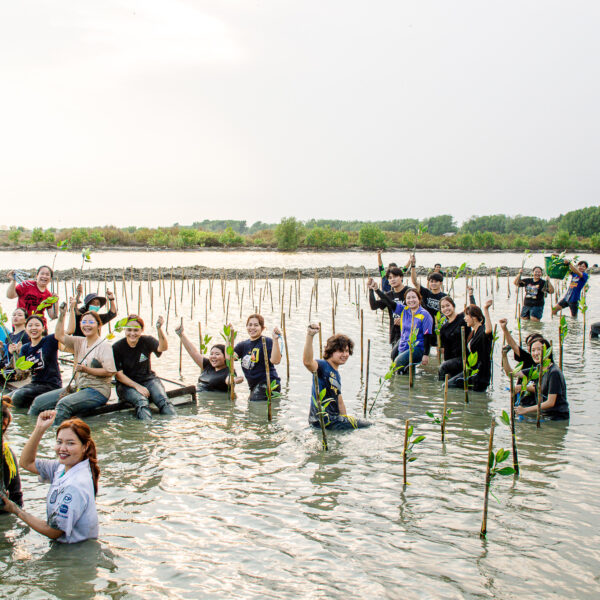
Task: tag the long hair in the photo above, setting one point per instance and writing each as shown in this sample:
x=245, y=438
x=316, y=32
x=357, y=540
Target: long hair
x=83, y=432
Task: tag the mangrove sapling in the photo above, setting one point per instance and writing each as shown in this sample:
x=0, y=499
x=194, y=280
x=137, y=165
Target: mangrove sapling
x=390, y=373
x=229, y=335
x=85, y=258
x=412, y=342
x=583, y=308
x=458, y=273
x=510, y=423
x=409, y=445
x=492, y=470
x=563, y=329
x=439, y=321
x=317, y=399
x=441, y=420
x=367, y=378
x=268, y=374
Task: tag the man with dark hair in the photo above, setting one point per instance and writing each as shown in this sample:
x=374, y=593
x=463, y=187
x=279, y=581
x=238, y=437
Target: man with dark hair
x=578, y=281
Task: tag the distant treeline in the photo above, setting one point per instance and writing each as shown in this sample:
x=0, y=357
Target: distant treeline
x=575, y=230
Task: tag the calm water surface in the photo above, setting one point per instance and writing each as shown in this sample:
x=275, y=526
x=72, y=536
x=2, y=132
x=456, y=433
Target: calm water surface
x=219, y=503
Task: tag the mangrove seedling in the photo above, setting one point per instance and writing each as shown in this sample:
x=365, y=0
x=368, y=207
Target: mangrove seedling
x=440, y=319
x=510, y=423
x=441, y=420
x=492, y=470
x=412, y=343
x=583, y=308
x=44, y=304
x=317, y=399
x=409, y=445
x=563, y=330
x=390, y=373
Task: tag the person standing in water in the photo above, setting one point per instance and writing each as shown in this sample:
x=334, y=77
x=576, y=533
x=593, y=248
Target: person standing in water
x=578, y=281
x=535, y=291
x=337, y=350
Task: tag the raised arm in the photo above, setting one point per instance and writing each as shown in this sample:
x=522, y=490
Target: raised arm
x=509, y=338
x=27, y=458
x=518, y=278
x=574, y=269
x=413, y=273
x=71, y=325
x=307, y=356
x=549, y=286
x=11, y=292
x=275, y=357
x=486, y=314
x=194, y=353
x=163, y=344
x=59, y=332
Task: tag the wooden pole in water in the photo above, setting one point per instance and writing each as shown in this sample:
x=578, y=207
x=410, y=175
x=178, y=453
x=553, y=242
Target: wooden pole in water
x=227, y=310
x=333, y=320
x=200, y=337
x=320, y=341
x=538, y=418
x=487, y=480
x=464, y=363
x=312, y=292
x=361, y=343
x=268, y=374
x=242, y=302
x=168, y=313
x=404, y=457
x=367, y=378
x=232, y=335
x=285, y=343
x=180, y=349
x=445, y=410
x=512, y=424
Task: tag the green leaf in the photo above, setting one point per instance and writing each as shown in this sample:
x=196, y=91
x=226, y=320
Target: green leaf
x=418, y=439
x=506, y=471
x=505, y=418
x=23, y=364
x=429, y=414
x=229, y=350
x=491, y=460
x=472, y=359
x=410, y=431
x=412, y=459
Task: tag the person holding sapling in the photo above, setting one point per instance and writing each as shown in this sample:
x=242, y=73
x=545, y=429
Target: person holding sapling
x=252, y=357
x=578, y=281
x=73, y=478
x=415, y=325
x=450, y=336
x=93, y=368
x=389, y=300
x=10, y=470
x=337, y=350
x=520, y=354
x=137, y=384
x=215, y=372
x=92, y=302
x=535, y=290
x=42, y=351
x=32, y=293
x=554, y=403
x=13, y=340
x=479, y=344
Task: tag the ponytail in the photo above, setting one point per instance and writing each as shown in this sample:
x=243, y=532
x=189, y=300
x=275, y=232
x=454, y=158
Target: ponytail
x=82, y=430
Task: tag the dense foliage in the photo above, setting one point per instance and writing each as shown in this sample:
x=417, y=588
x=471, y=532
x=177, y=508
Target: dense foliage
x=576, y=230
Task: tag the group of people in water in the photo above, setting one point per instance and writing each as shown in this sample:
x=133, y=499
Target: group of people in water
x=420, y=317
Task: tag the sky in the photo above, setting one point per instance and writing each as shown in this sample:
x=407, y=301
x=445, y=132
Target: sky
x=152, y=112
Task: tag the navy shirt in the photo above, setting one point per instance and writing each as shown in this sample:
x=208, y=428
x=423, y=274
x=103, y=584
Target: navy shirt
x=135, y=362
x=44, y=357
x=534, y=291
x=251, y=354
x=329, y=380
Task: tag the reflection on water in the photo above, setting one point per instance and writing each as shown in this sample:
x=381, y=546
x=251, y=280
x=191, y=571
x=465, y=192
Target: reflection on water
x=220, y=503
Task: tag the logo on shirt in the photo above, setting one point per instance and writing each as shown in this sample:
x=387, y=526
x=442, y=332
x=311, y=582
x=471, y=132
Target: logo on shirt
x=143, y=357
x=53, y=496
x=67, y=498
x=63, y=509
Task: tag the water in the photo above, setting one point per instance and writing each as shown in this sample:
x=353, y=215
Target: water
x=219, y=503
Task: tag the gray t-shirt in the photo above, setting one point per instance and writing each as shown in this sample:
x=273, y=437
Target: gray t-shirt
x=71, y=504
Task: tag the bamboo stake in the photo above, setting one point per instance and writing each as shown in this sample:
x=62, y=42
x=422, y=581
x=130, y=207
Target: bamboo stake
x=361, y=342
x=445, y=408
x=404, y=457
x=512, y=425
x=487, y=480
x=268, y=373
x=285, y=343
x=333, y=320
x=232, y=335
x=320, y=341
x=320, y=409
x=367, y=378
x=464, y=362
x=180, y=349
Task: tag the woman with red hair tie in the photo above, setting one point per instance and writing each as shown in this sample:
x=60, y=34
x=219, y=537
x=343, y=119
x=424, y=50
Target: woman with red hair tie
x=73, y=477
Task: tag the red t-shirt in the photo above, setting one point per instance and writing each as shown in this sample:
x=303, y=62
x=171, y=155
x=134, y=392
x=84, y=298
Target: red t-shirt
x=30, y=297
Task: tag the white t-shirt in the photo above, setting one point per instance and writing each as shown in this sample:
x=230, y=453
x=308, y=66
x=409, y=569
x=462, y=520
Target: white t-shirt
x=70, y=505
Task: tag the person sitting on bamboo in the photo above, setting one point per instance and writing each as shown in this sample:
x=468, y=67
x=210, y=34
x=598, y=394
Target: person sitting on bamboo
x=255, y=365
x=73, y=478
x=451, y=336
x=92, y=303
x=479, y=343
x=42, y=351
x=554, y=403
x=10, y=471
x=326, y=376
x=94, y=367
x=137, y=384
x=215, y=372
x=415, y=325
x=12, y=342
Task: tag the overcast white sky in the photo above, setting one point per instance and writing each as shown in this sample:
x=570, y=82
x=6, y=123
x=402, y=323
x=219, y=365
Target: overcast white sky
x=150, y=112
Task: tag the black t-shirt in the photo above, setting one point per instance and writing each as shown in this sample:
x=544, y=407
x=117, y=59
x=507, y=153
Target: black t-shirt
x=534, y=291
x=450, y=337
x=329, y=380
x=481, y=342
x=44, y=357
x=553, y=382
x=135, y=362
x=251, y=355
x=524, y=357
x=104, y=317
x=213, y=380
x=388, y=300
x=431, y=301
